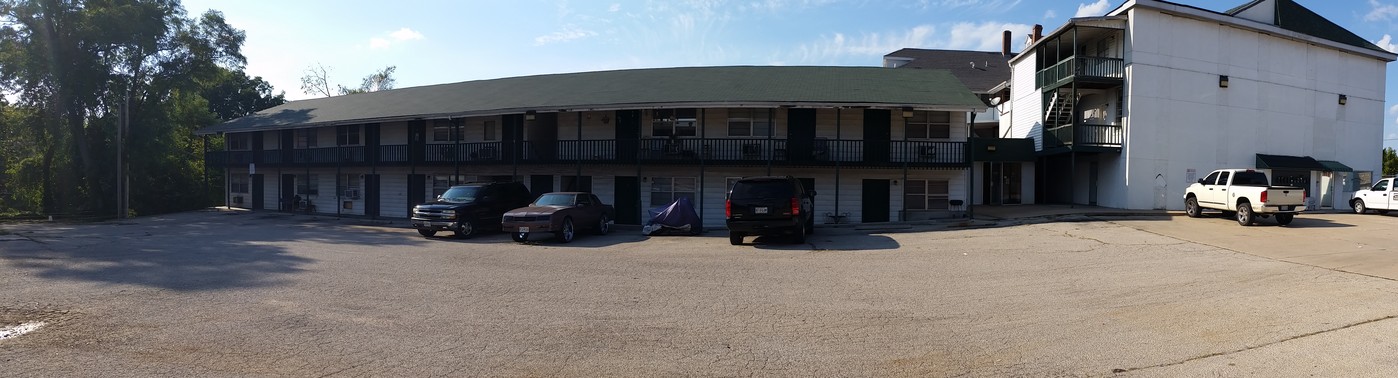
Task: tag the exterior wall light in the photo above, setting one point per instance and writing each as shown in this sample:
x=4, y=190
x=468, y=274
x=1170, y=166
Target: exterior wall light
x=990, y=148
x=529, y=115
x=1344, y=99
x=907, y=112
x=1223, y=81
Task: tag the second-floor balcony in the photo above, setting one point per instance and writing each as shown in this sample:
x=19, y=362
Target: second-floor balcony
x=1090, y=70
x=1083, y=136
x=683, y=151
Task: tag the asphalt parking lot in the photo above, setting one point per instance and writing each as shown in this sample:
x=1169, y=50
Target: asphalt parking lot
x=261, y=294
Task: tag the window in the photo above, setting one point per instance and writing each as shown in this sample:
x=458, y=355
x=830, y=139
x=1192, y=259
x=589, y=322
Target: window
x=238, y=142
x=749, y=122
x=929, y=125
x=305, y=138
x=1381, y=186
x=440, y=183
x=347, y=135
x=729, y=181
x=238, y=184
x=489, y=131
x=445, y=130
x=349, y=187
x=1362, y=180
x=926, y=194
x=308, y=185
x=1211, y=179
x=676, y=122
x=664, y=190
x=1222, y=178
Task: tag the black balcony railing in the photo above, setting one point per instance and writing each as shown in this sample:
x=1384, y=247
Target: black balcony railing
x=1091, y=135
x=717, y=151
x=1081, y=67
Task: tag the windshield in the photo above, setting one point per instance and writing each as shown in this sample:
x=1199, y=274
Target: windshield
x=555, y=200
x=461, y=194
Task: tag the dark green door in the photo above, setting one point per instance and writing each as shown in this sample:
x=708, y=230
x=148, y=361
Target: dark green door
x=257, y=192
x=628, y=200
x=540, y=184
x=417, y=141
x=371, y=143
x=628, y=136
x=511, y=133
x=371, y=195
x=417, y=191
x=877, y=135
x=875, y=199
x=288, y=198
x=801, y=132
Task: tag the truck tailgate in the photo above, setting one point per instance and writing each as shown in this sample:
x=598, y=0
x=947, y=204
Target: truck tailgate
x=1284, y=196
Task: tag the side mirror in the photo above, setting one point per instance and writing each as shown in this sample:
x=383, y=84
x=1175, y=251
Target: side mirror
x=813, y=193
x=439, y=197
x=1201, y=181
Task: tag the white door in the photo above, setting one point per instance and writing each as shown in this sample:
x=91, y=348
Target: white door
x=1217, y=193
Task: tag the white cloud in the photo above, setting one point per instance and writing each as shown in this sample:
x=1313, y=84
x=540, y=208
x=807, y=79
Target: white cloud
x=1393, y=109
x=393, y=37
x=1387, y=43
x=569, y=33
x=616, y=7
x=1050, y=14
x=1098, y=8
x=984, y=36
x=1380, y=11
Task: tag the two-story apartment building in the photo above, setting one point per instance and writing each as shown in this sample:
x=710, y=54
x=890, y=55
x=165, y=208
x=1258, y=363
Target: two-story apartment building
x=876, y=144
x=1128, y=109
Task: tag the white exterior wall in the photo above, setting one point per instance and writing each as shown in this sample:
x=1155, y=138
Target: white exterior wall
x=393, y=133
x=1026, y=105
x=1282, y=99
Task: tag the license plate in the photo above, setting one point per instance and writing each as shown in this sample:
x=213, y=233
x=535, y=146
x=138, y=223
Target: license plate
x=524, y=229
x=759, y=210
x=1286, y=208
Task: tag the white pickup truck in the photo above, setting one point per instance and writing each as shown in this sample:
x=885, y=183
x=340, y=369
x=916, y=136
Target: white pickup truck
x=1247, y=194
x=1382, y=197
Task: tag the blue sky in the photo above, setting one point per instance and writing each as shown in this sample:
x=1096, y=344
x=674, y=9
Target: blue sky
x=433, y=42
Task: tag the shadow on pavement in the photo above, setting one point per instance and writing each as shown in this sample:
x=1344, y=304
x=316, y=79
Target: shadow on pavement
x=195, y=251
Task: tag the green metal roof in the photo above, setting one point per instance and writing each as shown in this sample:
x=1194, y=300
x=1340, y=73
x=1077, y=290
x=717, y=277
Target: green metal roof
x=1335, y=166
x=733, y=86
x=1294, y=17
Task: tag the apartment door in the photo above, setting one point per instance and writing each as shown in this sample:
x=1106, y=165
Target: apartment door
x=801, y=132
x=628, y=135
x=992, y=189
x=540, y=184
x=1012, y=182
x=628, y=200
x=877, y=135
x=1092, y=183
x=288, y=198
x=257, y=192
x=417, y=191
x=371, y=195
x=511, y=136
x=875, y=201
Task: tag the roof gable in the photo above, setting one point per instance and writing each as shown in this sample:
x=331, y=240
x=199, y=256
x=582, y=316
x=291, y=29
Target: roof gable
x=1289, y=15
x=979, y=71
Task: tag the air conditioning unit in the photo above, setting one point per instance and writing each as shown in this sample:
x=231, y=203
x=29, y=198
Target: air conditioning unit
x=351, y=193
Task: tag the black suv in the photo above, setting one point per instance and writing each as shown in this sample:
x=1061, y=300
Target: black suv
x=468, y=208
x=769, y=205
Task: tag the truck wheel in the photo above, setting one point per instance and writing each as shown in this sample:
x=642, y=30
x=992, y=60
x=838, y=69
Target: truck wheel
x=1358, y=206
x=520, y=237
x=465, y=230
x=735, y=238
x=427, y=233
x=810, y=225
x=1191, y=208
x=801, y=234
x=566, y=234
x=1245, y=215
x=1285, y=219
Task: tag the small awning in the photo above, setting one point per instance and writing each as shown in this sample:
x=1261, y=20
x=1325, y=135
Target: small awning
x=1305, y=163
x=1335, y=166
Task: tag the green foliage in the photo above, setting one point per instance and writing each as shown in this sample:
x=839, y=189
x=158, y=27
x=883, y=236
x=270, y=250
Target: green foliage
x=78, y=67
x=1390, y=162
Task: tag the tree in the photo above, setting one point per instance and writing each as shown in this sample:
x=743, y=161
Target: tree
x=316, y=81
x=1390, y=162
x=75, y=65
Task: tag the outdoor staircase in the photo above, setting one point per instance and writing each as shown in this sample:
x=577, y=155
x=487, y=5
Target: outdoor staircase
x=1060, y=111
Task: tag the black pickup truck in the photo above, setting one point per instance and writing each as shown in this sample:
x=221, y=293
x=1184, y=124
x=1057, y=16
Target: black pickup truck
x=469, y=208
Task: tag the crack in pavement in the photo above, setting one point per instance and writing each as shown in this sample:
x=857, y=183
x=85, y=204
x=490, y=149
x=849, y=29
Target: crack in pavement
x=1224, y=353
